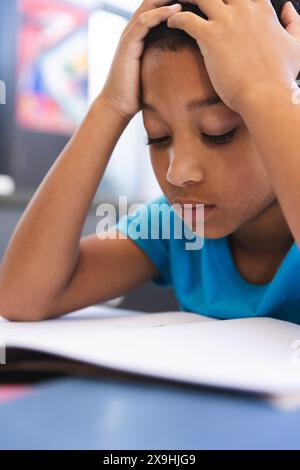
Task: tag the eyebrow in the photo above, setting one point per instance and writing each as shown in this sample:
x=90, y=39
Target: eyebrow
x=191, y=105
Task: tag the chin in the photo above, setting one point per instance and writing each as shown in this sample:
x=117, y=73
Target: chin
x=212, y=233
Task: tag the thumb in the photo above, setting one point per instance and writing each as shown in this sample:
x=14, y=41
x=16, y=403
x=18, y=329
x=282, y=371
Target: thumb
x=291, y=19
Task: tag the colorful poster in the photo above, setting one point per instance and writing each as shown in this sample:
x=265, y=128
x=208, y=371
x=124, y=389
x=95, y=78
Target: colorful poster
x=52, y=65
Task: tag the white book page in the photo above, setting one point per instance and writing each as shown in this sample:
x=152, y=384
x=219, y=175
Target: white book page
x=138, y=318
x=252, y=354
x=123, y=318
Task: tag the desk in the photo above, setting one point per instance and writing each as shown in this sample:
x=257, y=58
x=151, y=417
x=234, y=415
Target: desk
x=72, y=413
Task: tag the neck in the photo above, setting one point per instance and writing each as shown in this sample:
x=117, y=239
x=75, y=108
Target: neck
x=266, y=235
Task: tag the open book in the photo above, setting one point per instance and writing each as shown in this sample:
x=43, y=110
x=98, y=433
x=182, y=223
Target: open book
x=259, y=355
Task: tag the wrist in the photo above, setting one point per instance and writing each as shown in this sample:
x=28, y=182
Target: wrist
x=262, y=96
x=103, y=104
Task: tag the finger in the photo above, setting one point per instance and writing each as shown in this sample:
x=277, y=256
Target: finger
x=289, y=14
x=194, y=2
x=291, y=20
x=150, y=19
x=192, y=24
x=211, y=8
x=148, y=5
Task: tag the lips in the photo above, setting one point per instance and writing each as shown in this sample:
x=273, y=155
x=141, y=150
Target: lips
x=190, y=209
x=192, y=203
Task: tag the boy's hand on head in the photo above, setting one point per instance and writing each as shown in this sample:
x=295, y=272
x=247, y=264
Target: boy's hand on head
x=244, y=46
x=122, y=87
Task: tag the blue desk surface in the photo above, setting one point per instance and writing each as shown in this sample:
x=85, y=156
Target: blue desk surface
x=73, y=413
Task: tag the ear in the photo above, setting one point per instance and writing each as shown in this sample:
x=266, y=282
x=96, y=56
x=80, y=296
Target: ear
x=291, y=20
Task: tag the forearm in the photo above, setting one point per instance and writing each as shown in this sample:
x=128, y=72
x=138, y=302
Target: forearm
x=272, y=117
x=43, y=251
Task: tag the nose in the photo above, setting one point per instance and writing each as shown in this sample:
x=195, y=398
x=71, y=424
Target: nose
x=185, y=168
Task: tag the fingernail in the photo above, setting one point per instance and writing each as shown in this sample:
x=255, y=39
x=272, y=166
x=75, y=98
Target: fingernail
x=176, y=5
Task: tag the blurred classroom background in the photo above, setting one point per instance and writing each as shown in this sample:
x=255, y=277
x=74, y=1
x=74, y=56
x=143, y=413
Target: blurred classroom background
x=54, y=59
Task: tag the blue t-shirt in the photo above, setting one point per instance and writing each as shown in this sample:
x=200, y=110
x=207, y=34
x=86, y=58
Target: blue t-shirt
x=206, y=280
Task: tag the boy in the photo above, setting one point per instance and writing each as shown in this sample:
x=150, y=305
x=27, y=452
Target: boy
x=213, y=139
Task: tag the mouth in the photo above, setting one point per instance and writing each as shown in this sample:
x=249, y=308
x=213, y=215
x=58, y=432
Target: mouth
x=192, y=202
x=192, y=210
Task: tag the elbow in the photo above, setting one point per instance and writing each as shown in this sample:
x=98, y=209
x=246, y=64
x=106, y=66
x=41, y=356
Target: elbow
x=16, y=315
x=18, y=303
x=18, y=311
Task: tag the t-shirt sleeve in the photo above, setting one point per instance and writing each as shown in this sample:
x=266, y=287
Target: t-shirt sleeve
x=143, y=226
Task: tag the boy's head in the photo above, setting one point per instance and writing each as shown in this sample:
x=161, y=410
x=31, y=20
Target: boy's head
x=191, y=159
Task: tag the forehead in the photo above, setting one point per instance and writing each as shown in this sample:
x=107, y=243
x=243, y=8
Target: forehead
x=165, y=74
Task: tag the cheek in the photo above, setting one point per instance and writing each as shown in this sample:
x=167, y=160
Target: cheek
x=248, y=186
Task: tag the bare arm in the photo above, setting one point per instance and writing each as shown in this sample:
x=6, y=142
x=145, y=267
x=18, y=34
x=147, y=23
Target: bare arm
x=272, y=116
x=47, y=270
x=44, y=250
x=105, y=269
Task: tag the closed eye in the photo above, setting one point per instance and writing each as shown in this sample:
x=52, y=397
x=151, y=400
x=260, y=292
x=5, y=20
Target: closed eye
x=215, y=139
